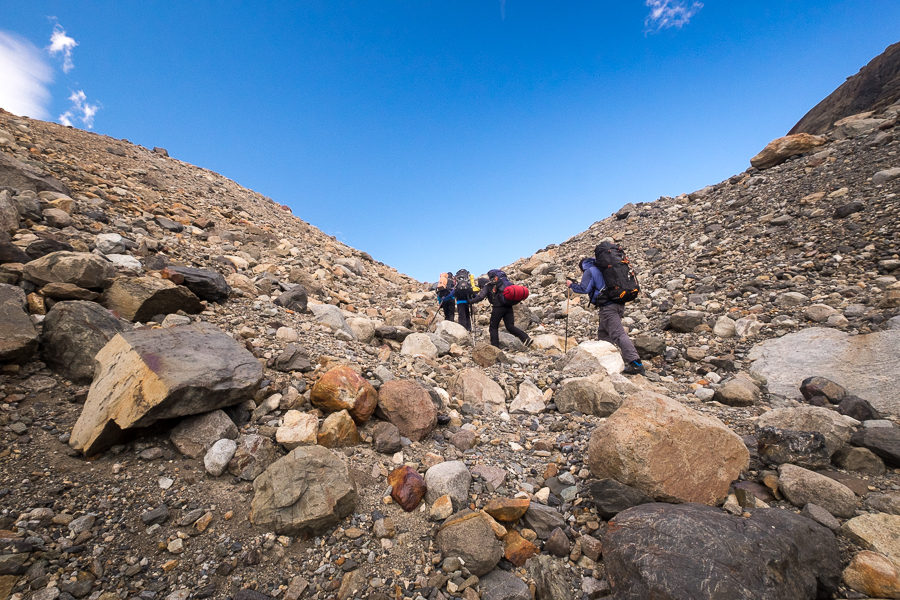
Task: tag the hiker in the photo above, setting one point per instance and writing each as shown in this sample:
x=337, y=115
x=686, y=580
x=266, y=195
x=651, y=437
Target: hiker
x=610, y=327
x=466, y=288
x=445, y=294
x=501, y=309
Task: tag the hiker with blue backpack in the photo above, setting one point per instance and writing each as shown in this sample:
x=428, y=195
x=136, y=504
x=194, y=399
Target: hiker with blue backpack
x=465, y=290
x=502, y=295
x=609, y=282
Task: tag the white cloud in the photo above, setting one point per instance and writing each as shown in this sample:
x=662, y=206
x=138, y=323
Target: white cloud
x=60, y=43
x=25, y=76
x=81, y=110
x=669, y=13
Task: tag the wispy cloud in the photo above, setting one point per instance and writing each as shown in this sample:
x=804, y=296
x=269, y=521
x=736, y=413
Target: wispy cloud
x=81, y=110
x=669, y=13
x=62, y=44
x=25, y=76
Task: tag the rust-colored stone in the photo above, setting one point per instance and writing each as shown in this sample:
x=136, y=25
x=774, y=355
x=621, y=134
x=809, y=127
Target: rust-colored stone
x=407, y=487
x=507, y=509
x=517, y=549
x=342, y=388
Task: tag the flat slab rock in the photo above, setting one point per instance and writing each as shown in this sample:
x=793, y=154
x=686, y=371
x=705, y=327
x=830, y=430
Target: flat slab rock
x=144, y=376
x=708, y=553
x=866, y=365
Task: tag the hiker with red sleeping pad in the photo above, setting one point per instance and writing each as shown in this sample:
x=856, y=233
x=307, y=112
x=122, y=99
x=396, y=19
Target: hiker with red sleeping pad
x=502, y=295
x=610, y=282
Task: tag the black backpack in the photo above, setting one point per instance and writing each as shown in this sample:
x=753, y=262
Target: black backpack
x=463, y=282
x=621, y=281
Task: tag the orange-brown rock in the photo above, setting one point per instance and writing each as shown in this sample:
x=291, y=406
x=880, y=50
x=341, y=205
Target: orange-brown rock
x=517, y=549
x=507, y=509
x=779, y=150
x=342, y=388
x=407, y=487
x=874, y=575
x=338, y=429
x=408, y=405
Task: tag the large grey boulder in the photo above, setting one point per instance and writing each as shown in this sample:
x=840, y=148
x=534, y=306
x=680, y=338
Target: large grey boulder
x=306, y=491
x=9, y=214
x=845, y=359
x=21, y=176
x=449, y=477
x=801, y=486
x=142, y=298
x=472, y=385
x=708, y=553
x=835, y=427
x=148, y=375
x=18, y=337
x=468, y=535
x=81, y=268
x=74, y=331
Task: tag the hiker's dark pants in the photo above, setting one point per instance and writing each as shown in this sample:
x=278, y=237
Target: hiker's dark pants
x=610, y=330
x=509, y=320
x=449, y=306
x=463, y=309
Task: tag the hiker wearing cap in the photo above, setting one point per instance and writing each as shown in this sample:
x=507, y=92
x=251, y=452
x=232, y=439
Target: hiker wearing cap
x=501, y=308
x=446, y=288
x=610, y=328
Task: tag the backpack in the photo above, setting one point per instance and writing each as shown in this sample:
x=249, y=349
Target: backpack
x=465, y=282
x=621, y=281
x=445, y=282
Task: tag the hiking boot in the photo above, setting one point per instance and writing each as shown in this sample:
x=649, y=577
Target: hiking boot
x=635, y=367
x=528, y=342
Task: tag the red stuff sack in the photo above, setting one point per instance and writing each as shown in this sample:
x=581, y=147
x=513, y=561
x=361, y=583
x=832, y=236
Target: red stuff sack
x=513, y=294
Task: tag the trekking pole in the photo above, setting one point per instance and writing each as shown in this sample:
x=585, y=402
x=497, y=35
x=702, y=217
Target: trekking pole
x=434, y=316
x=473, y=324
x=568, y=295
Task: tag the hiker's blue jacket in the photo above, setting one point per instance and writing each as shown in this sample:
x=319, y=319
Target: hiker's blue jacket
x=592, y=282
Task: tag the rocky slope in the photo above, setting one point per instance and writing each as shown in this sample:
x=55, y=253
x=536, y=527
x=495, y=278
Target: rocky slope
x=549, y=444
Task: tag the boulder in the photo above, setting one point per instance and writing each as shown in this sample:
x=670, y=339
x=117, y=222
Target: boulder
x=836, y=428
x=386, y=437
x=297, y=429
x=253, y=455
x=685, y=321
x=205, y=284
x=295, y=299
x=9, y=214
x=21, y=176
x=667, y=451
x=543, y=519
x=293, y=358
x=610, y=497
x=142, y=298
x=45, y=246
x=593, y=355
x=362, y=328
x=503, y=585
x=820, y=386
x=67, y=291
x=551, y=578
x=847, y=359
x=307, y=491
x=73, y=333
x=451, y=478
x=873, y=574
x=18, y=337
x=342, y=388
x=407, y=487
x=419, y=344
x=805, y=449
x=216, y=459
x=470, y=537
x=593, y=395
x=80, y=268
x=195, y=435
x=878, y=532
x=407, y=405
x=780, y=149
x=801, y=486
x=331, y=316
x=453, y=332
x=883, y=441
x=529, y=400
x=338, y=430
x=472, y=385
x=10, y=253
x=708, y=553
x=149, y=375
x=738, y=391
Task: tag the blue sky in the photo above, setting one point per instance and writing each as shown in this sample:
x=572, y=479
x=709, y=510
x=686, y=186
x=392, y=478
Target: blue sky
x=440, y=135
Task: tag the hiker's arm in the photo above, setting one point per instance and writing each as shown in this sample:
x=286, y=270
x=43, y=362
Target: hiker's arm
x=585, y=286
x=480, y=295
